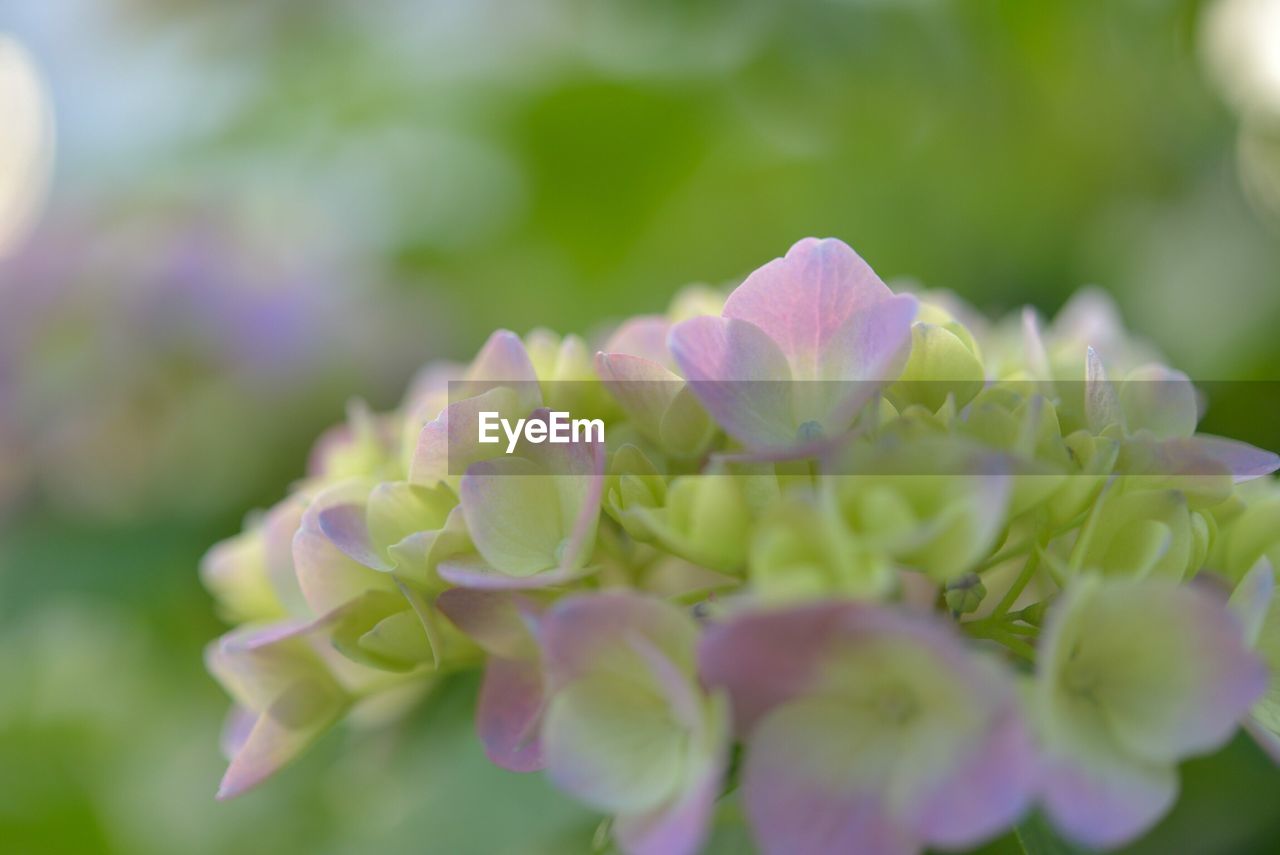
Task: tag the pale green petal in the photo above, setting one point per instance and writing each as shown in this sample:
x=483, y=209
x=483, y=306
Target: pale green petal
x=514, y=516
x=614, y=745
x=1252, y=599
x=1151, y=669
x=398, y=509
x=1267, y=710
x=235, y=571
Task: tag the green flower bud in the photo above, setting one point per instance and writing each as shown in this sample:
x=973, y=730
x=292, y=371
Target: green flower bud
x=802, y=550
x=965, y=594
x=706, y=519
x=685, y=430
x=366, y=446
x=695, y=300
x=633, y=484
x=407, y=527
x=567, y=376
x=940, y=366
x=380, y=630
x=941, y=522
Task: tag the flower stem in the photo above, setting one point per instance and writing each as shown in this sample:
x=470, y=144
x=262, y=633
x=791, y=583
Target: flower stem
x=995, y=631
x=1019, y=584
x=1005, y=554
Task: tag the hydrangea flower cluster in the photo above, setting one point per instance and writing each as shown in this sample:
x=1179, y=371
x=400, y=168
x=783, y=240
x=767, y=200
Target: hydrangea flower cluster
x=887, y=576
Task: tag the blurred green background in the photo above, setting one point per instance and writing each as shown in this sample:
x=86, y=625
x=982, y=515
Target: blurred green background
x=220, y=221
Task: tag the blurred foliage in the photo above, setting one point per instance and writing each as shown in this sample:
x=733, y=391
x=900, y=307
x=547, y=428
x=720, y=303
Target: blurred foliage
x=560, y=175
x=561, y=163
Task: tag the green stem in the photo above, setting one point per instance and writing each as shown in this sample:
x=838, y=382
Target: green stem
x=1019, y=585
x=1030, y=543
x=1005, y=554
x=1000, y=634
x=1010, y=624
x=1086, y=533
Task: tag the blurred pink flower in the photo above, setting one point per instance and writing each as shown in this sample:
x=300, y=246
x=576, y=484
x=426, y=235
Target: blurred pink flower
x=869, y=730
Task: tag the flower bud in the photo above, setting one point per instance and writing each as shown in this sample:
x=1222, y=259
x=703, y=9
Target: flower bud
x=802, y=550
x=940, y=365
x=965, y=594
x=706, y=519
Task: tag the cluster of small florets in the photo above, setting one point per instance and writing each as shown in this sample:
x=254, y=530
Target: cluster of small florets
x=886, y=575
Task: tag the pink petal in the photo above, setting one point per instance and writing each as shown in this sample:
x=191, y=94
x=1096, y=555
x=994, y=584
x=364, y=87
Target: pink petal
x=740, y=376
x=1160, y=400
x=989, y=790
x=253, y=638
x=328, y=576
x=643, y=388
x=644, y=337
x=767, y=657
x=864, y=354
x=430, y=462
x=502, y=379
x=280, y=525
x=638, y=644
x=269, y=746
x=472, y=571
x=873, y=344
x=508, y=712
x=791, y=813
x=235, y=730
x=276, y=679
x=1242, y=460
x=802, y=301
x=800, y=800
x=502, y=361
x=346, y=528
x=1105, y=807
x=582, y=633
x=569, y=458
x=1230, y=679
x=449, y=444
x=500, y=622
